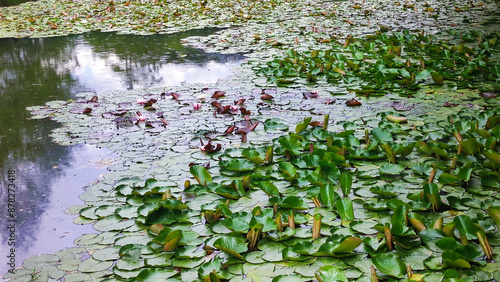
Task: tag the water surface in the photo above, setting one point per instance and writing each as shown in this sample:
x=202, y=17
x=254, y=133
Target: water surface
x=50, y=177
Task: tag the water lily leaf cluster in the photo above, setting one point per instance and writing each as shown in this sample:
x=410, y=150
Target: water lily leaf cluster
x=398, y=62
x=52, y=18
x=312, y=205
x=287, y=209
x=323, y=192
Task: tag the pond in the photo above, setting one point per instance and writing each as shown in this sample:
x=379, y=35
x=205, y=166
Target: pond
x=50, y=177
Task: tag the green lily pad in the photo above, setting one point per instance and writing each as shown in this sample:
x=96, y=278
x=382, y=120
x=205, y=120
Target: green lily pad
x=330, y=273
x=201, y=174
x=390, y=264
x=392, y=169
x=232, y=246
x=238, y=165
x=92, y=265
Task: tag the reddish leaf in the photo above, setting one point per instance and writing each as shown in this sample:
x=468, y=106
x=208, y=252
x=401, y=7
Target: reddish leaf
x=164, y=121
x=87, y=111
x=247, y=129
x=267, y=97
x=205, y=165
x=239, y=102
x=218, y=94
x=230, y=129
x=218, y=106
x=93, y=100
x=245, y=111
x=175, y=96
x=209, y=148
x=316, y=124
x=353, y=102
x=149, y=102
x=225, y=110
x=254, y=126
x=310, y=95
x=244, y=138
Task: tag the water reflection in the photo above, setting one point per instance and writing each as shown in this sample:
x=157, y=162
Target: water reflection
x=5, y=3
x=33, y=71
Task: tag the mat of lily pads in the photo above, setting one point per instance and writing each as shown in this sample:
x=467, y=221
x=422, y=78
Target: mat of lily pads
x=377, y=160
x=319, y=190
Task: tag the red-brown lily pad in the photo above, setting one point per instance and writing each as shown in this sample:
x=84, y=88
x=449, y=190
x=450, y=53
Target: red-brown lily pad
x=353, y=103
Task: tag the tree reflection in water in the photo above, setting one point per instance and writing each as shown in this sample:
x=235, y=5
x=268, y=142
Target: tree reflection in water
x=33, y=71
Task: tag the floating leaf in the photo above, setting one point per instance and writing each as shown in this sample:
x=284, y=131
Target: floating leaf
x=288, y=170
x=156, y=274
x=201, y=174
x=269, y=188
x=347, y=245
x=345, y=183
x=345, y=209
x=455, y=260
x=302, y=125
x=232, y=246
x=390, y=264
x=238, y=165
x=330, y=273
x=492, y=156
x=396, y=119
x=392, y=169
x=494, y=212
x=327, y=195
x=353, y=103
x=382, y=135
x=172, y=240
x=465, y=226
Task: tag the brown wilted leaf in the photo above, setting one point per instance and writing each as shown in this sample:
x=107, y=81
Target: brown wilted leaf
x=218, y=106
x=230, y=129
x=149, y=102
x=239, y=102
x=245, y=111
x=218, y=94
x=175, y=96
x=266, y=97
x=316, y=123
x=353, y=102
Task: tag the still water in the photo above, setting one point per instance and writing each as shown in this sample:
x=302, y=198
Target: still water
x=48, y=177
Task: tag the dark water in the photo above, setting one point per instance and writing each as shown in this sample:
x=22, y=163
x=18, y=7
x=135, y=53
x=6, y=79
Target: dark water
x=49, y=177
x=5, y=3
